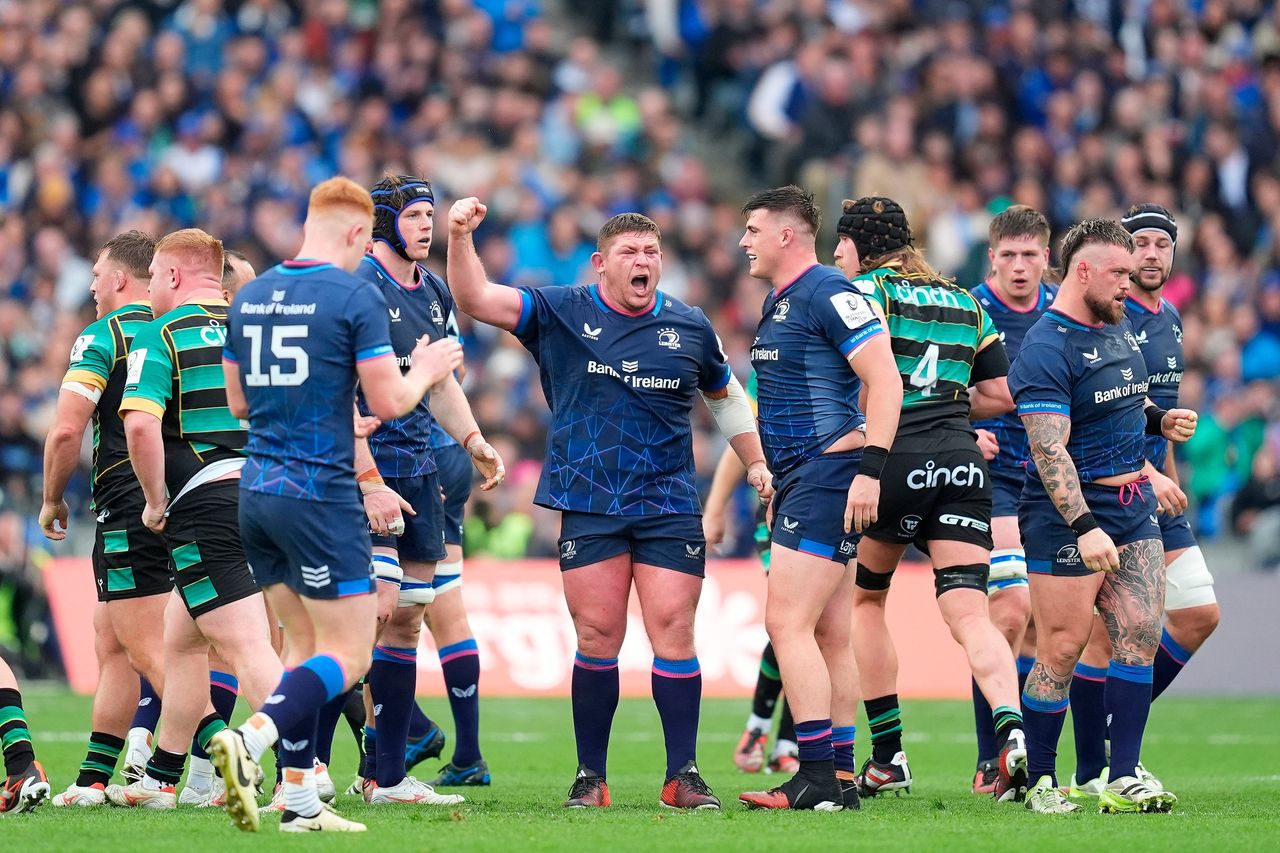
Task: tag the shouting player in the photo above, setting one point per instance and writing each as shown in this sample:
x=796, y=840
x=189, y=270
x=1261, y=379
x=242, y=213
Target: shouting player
x=620, y=363
x=817, y=342
x=1191, y=610
x=1014, y=297
x=935, y=487
x=300, y=337
x=1089, y=515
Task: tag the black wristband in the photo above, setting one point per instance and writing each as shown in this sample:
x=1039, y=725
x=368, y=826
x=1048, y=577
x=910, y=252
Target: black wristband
x=1084, y=524
x=1155, y=415
x=872, y=463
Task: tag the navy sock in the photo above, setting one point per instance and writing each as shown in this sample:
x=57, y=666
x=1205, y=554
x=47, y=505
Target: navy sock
x=223, y=690
x=982, y=724
x=393, y=678
x=302, y=690
x=842, y=738
x=460, y=664
x=595, y=701
x=1089, y=721
x=884, y=719
x=148, y=714
x=814, y=739
x=1024, y=665
x=1042, y=722
x=1128, y=701
x=369, y=764
x=787, y=723
x=420, y=725
x=768, y=685
x=1170, y=659
x=327, y=725
x=677, y=691
x=298, y=745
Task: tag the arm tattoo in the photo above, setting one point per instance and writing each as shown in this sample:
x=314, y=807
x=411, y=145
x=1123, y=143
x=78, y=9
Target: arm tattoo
x=1046, y=685
x=1047, y=435
x=1131, y=599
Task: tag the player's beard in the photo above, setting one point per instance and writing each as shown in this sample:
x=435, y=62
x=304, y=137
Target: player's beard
x=1151, y=288
x=1107, y=311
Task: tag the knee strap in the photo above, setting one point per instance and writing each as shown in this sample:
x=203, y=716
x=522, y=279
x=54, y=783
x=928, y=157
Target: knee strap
x=874, y=581
x=970, y=576
x=415, y=592
x=387, y=568
x=1189, y=582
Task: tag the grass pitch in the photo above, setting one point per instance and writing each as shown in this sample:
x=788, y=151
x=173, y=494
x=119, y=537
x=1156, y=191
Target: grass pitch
x=1222, y=758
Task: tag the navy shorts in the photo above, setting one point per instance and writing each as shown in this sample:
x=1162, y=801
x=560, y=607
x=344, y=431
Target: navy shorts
x=1006, y=490
x=453, y=464
x=423, y=538
x=1176, y=532
x=808, y=509
x=318, y=550
x=1126, y=513
x=668, y=541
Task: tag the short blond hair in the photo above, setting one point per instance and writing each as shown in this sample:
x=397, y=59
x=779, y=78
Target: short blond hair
x=340, y=194
x=195, y=249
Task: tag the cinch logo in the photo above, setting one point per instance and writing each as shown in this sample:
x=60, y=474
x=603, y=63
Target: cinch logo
x=213, y=334
x=668, y=338
x=964, y=521
x=780, y=311
x=590, y=333
x=1068, y=554
x=931, y=476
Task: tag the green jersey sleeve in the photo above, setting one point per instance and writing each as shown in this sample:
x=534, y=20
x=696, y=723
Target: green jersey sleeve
x=870, y=286
x=149, y=381
x=92, y=356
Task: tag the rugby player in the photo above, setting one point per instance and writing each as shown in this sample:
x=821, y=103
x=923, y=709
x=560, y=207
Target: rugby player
x=1080, y=383
x=25, y=784
x=1014, y=296
x=935, y=486
x=187, y=450
x=130, y=563
x=1190, y=607
x=818, y=341
x=402, y=466
x=300, y=336
x=620, y=363
x=748, y=756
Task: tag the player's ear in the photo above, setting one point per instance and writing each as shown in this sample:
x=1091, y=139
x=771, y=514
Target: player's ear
x=597, y=262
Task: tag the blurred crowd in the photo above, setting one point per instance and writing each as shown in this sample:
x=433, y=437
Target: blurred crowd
x=160, y=114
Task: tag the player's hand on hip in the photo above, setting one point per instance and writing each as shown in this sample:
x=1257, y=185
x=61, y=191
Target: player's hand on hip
x=366, y=425
x=53, y=520
x=988, y=446
x=442, y=357
x=487, y=462
x=862, y=508
x=465, y=215
x=1172, y=500
x=1098, y=551
x=153, y=517
x=713, y=528
x=760, y=479
x=385, y=510
x=1178, y=425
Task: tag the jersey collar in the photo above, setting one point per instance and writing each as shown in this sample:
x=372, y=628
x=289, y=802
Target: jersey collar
x=1129, y=300
x=297, y=266
x=382, y=270
x=1071, y=322
x=594, y=290
x=1040, y=297
x=787, y=286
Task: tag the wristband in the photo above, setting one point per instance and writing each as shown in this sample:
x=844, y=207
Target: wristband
x=1155, y=415
x=1084, y=523
x=466, y=442
x=873, y=459
x=369, y=475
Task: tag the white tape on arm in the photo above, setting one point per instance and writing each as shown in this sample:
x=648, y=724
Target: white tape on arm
x=93, y=395
x=732, y=412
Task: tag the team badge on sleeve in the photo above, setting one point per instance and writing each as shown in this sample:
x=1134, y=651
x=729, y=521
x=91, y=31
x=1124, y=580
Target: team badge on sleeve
x=853, y=310
x=137, y=358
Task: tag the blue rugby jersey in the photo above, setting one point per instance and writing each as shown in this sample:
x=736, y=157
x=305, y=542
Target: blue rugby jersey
x=1094, y=375
x=1159, y=336
x=808, y=394
x=402, y=447
x=440, y=438
x=297, y=332
x=620, y=388
x=1013, y=325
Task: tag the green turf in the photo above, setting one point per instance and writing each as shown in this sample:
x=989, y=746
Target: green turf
x=1222, y=757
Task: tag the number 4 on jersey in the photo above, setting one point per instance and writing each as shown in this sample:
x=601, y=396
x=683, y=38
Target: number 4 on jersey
x=925, y=376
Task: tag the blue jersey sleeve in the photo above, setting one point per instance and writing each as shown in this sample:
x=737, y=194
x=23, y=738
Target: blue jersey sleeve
x=714, y=372
x=1040, y=381
x=845, y=318
x=538, y=306
x=367, y=320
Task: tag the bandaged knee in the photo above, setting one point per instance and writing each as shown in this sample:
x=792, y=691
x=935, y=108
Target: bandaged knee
x=970, y=576
x=386, y=567
x=873, y=581
x=1008, y=568
x=448, y=576
x=413, y=593
x=1188, y=581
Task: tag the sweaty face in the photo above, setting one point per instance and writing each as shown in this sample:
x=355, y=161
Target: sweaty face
x=1107, y=280
x=416, y=223
x=1153, y=258
x=629, y=269
x=1018, y=265
x=847, y=260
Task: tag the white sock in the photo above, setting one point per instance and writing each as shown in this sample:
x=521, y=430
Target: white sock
x=785, y=747
x=764, y=724
x=259, y=733
x=151, y=784
x=138, y=738
x=300, y=794
x=200, y=774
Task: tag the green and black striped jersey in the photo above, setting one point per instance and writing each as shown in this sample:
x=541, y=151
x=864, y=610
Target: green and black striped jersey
x=936, y=330
x=175, y=373
x=98, y=362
